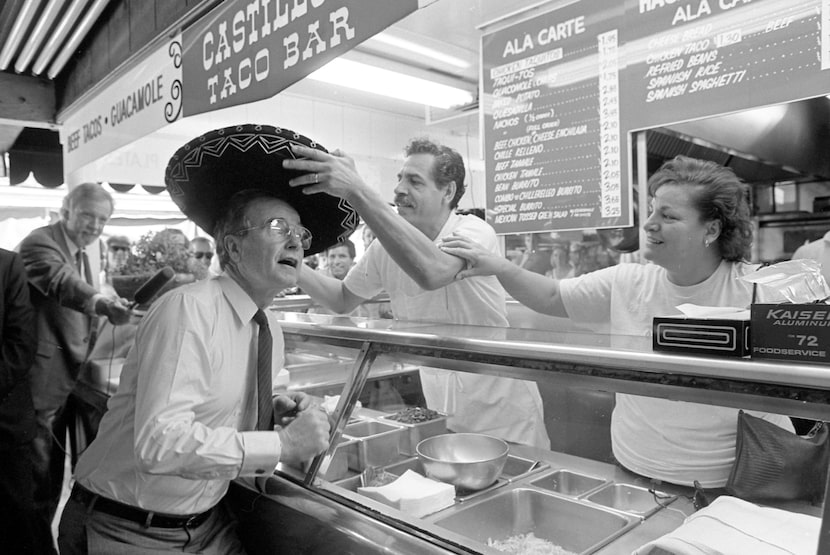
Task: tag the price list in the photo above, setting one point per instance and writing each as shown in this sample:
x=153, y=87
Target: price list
x=552, y=122
x=702, y=58
x=609, y=125
x=825, y=34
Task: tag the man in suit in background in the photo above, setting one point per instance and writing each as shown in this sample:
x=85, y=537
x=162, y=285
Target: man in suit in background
x=20, y=530
x=64, y=288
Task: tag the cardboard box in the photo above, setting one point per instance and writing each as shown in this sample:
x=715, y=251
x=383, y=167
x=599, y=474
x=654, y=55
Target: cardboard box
x=794, y=332
x=704, y=336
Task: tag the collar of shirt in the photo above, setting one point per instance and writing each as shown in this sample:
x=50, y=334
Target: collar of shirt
x=447, y=228
x=240, y=301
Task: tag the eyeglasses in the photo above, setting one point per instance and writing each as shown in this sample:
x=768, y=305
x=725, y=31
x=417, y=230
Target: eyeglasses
x=200, y=255
x=116, y=249
x=281, y=229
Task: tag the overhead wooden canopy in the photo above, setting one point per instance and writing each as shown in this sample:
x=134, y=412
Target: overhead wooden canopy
x=25, y=102
x=98, y=36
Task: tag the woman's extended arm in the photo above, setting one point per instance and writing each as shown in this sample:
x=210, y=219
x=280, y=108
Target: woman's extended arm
x=535, y=291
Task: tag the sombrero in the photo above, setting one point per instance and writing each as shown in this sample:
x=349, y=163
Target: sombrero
x=206, y=172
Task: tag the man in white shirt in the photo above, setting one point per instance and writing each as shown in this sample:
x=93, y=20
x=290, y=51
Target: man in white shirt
x=195, y=406
x=406, y=262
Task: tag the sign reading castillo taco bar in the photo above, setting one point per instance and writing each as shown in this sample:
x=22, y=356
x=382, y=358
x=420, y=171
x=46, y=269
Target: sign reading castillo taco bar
x=249, y=50
x=551, y=122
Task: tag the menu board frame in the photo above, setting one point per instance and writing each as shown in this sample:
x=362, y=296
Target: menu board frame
x=726, y=55
x=554, y=151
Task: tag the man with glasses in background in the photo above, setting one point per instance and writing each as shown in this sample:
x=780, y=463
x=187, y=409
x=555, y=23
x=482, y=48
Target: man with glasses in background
x=118, y=251
x=64, y=282
x=202, y=250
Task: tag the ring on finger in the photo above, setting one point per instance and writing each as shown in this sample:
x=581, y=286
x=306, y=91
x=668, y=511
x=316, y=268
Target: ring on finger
x=316, y=178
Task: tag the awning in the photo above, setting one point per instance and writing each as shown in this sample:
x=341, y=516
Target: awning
x=37, y=152
x=32, y=197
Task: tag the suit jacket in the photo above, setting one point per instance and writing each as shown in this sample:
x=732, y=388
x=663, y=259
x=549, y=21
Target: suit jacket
x=17, y=351
x=65, y=333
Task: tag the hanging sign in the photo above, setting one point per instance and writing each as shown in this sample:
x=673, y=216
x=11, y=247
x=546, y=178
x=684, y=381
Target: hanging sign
x=699, y=58
x=246, y=51
x=142, y=100
x=551, y=121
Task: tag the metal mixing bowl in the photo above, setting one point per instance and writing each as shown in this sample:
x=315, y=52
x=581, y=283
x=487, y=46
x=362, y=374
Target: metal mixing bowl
x=468, y=461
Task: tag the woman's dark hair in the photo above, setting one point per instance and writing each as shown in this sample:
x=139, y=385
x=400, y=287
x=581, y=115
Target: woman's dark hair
x=448, y=165
x=718, y=194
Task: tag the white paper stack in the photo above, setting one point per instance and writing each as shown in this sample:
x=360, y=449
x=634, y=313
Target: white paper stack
x=413, y=494
x=731, y=525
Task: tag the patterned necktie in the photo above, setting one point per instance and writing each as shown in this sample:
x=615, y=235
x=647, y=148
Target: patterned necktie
x=265, y=408
x=83, y=266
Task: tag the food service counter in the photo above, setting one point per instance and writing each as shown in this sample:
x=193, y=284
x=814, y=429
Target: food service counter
x=320, y=507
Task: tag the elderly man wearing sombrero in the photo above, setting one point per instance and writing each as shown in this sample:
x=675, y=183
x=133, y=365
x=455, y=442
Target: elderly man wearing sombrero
x=194, y=408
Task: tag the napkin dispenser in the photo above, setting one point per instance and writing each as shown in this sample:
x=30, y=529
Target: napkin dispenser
x=705, y=336
x=704, y=331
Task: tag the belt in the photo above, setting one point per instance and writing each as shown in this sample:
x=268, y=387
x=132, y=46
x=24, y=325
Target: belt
x=95, y=502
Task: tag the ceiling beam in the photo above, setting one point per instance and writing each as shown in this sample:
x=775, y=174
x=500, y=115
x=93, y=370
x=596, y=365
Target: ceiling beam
x=27, y=101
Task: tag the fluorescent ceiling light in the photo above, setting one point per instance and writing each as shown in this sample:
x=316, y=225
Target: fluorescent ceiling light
x=372, y=79
x=415, y=48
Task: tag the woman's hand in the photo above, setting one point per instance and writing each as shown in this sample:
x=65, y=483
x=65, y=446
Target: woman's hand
x=480, y=261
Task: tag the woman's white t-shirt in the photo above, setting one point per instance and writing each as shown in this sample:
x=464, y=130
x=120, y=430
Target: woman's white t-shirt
x=674, y=441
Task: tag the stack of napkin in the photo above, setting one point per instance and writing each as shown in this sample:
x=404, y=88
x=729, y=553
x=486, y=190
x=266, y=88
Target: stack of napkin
x=413, y=494
x=731, y=525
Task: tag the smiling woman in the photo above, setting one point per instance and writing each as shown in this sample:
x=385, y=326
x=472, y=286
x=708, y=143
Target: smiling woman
x=698, y=233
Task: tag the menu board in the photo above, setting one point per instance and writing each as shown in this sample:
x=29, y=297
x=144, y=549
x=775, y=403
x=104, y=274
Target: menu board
x=551, y=121
x=698, y=58
x=562, y=93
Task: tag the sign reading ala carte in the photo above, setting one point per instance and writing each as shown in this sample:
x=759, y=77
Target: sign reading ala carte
x=249, y=50
x=139, y=102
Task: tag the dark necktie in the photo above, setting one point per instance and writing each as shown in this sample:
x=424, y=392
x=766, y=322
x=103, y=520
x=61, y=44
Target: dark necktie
x=265, y=408
x=83, y=266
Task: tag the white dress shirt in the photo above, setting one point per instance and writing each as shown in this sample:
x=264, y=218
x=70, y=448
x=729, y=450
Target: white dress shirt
x=179, y=428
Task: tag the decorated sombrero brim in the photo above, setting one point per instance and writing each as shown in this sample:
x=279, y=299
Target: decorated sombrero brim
x=206, y=172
